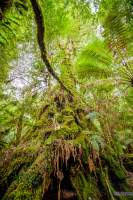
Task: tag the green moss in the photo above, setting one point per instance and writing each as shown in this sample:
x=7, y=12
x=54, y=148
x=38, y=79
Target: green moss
x=68, y=111
x=85, y=187
x=38, y=193
x=20, y=195
x=11, y=188
x=28, y=172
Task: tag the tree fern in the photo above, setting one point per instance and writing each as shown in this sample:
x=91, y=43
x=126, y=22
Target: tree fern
x=95, y=60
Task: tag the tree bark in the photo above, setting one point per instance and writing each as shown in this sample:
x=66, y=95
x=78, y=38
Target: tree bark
x=41, y=42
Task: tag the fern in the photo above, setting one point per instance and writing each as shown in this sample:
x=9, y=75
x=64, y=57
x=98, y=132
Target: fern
x=95, y=60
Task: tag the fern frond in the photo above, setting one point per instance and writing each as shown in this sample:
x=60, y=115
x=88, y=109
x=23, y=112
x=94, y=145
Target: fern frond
x=94, y=60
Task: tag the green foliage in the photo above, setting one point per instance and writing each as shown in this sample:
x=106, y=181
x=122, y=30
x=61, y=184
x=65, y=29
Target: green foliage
x=95, y=60
x=46, y=131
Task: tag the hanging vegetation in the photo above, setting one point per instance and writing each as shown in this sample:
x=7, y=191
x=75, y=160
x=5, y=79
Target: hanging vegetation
x=66, y=101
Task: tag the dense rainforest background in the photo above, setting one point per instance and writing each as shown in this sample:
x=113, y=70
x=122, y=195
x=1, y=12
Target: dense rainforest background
x=66, y=99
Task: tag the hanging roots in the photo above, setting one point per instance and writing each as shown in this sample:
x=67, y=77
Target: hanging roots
x=63, y=152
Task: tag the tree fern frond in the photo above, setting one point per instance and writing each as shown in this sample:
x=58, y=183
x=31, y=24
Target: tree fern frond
x=94, y=60
x=11, y=19
x=117, y=23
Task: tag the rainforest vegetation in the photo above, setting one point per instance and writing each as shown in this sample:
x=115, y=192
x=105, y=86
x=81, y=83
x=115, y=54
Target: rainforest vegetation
x=66, y=99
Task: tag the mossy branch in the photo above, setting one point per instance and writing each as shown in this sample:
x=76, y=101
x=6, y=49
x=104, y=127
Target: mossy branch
x=40, y=36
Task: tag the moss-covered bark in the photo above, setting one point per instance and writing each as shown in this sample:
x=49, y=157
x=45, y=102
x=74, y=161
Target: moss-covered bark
x=59, y=144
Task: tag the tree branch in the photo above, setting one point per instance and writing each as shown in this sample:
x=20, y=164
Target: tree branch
x=40, y=36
